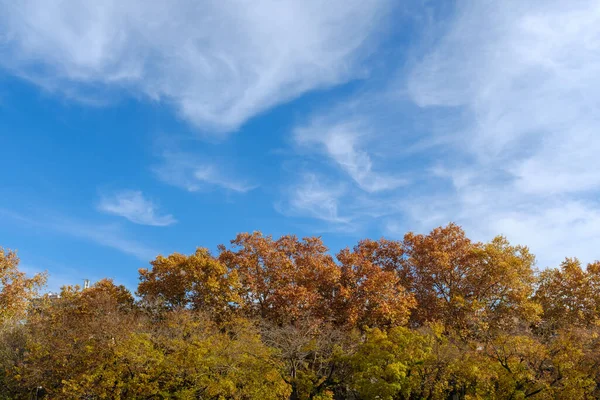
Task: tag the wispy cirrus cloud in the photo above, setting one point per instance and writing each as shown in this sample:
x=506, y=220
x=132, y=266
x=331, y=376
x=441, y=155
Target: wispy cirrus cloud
x=132, y=205
x=335, y=204
x=192, y=173
x=341, y=142
x=218, y=62
x=107, y=235
x=501, y=115
x=314, y=197
x=492, y=123
x=525, y=78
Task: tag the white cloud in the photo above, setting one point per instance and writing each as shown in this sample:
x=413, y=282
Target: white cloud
x=337, y=206
x=132, y=205
x=503, y=138
x=219, y=62
x=188, y=172
x=527, y=72
x=312, y=196
x=526, y=77
x=210, y=175
x=554, y=228
x=341, y=141
x=104, y=235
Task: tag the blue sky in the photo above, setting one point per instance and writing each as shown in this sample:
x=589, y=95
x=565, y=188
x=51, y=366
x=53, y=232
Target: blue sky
x=134, y=128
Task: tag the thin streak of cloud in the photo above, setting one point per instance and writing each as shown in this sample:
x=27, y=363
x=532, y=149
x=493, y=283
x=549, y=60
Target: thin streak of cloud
x=132, y=205
x=187, y=172
x=104, y=235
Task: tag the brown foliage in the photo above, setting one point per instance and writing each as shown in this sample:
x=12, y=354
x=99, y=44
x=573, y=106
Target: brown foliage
x=285, y=279
x=370, y=294
x=468, y=286
x=434, y=316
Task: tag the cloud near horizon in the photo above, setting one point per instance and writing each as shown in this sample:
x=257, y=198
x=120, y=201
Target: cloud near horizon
x=105, y=235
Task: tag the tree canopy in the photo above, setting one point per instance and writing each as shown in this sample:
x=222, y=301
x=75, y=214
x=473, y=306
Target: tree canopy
x=430, y=316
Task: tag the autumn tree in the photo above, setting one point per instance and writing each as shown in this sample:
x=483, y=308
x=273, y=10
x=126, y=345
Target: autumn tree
x=432, y=316
x=86, y=344
x=388, y=255
x=198, y=281
x=309, y=305
x=471, y=287
x=526, y=367
x=16, y=293
x=405, y=364
x=385, y=364
x=285, y=279
x=311, y=352
x=16, y=289
x=370, y=294
x=186, y=356
x=12, y=342
x=71, y=334
x=569, y=295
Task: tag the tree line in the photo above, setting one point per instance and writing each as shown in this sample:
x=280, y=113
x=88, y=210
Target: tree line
x=435, y=316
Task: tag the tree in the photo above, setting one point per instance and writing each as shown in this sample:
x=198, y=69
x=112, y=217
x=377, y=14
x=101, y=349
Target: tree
x=570, y=295
x=16, y=293
x=433, y=316
x=198, y=281
x=370, y=294
x=406, y=364
x=16, y=289
x=282, y=280
x=187, y=356
x=384, y=367
x=470, y=287
x=72, y=334
x=311, y=353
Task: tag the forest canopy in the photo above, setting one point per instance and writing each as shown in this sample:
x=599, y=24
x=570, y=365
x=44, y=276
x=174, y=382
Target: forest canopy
x=435, y=316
